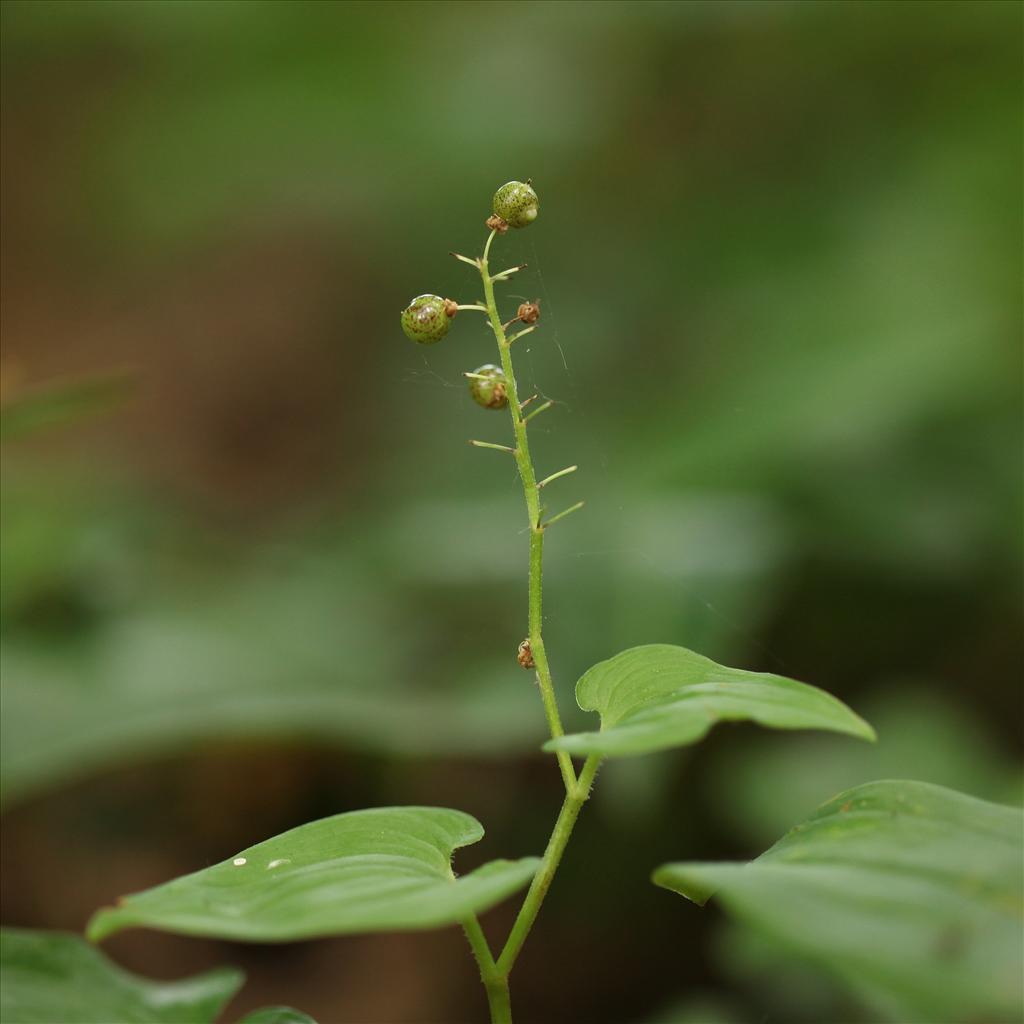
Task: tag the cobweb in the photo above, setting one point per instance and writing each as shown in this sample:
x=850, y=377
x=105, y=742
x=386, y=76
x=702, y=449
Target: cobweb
x=569, y=400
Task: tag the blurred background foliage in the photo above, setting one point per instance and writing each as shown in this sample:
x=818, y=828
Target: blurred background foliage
x=253, y=574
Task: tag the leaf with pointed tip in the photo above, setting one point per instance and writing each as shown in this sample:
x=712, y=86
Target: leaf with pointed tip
x=276, y=1015
x=660, y=696
x=909, y=892
x=385, y=869
x=52, y=976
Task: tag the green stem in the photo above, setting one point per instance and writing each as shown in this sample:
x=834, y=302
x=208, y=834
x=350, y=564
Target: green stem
x=573, y=804
x=496, y=984
x=577, y=790
x=532, y=494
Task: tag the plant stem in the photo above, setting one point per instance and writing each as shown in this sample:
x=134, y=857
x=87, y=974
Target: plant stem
x=574, y=801
x=496, y=985
x=532, y=494
x=577, y=790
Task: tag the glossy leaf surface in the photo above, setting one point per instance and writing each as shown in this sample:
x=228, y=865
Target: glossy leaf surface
x=660, y=696
x=49, y=977
x=909, y=892
x=385, y=869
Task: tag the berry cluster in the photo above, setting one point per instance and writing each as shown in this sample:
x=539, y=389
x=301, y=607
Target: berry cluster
x=427, y=318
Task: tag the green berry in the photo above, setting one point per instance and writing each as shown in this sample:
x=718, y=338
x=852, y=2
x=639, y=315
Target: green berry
x=427, y=318
x=491, y=393
x=516, y=203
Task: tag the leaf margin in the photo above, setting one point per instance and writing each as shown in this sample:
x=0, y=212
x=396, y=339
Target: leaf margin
x=608, y=742
x=464, y=830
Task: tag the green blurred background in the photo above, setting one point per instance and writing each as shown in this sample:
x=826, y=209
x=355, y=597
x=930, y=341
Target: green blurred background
x=254, y=574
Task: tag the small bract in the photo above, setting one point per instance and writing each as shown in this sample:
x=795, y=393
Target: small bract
x=516, y=203
x=491, y=393
x=427, y=318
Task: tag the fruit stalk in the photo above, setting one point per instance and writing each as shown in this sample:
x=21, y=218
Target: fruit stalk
x=531, y=493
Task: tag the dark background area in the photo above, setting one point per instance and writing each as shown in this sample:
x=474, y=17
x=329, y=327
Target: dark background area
x=779, y=262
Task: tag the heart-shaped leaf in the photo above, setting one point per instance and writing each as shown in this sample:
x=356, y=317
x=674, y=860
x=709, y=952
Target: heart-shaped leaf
x=909, y=892
x=47, y=977
x=660, y=696
x=386, y=869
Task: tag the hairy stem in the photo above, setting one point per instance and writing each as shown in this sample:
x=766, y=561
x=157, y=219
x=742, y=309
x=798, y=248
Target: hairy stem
x=495, y=973
x=496, y=984
x=571, y=807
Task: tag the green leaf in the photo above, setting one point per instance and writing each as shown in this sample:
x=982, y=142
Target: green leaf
x=276, y=1015
x=909, y=892
x=659, y=696
x=47, y=977
x=106, y=659
x=761, y=786
x=386, y=869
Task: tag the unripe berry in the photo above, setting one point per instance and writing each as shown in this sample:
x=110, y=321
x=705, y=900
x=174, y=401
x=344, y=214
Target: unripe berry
x=426, y=319
x=491, y=393
x=516, y=203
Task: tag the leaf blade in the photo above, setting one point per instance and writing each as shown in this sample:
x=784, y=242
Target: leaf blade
x=373, y=870
x=909, y=892
x=54, y=976
x=659, y=696
x=277, y=1015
